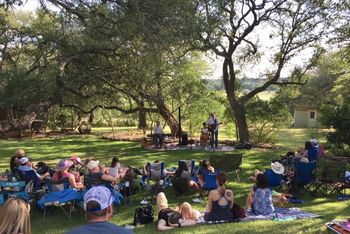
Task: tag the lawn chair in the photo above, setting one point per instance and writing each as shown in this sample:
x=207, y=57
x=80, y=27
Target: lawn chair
x=227, y=163
x=13, y=189
x=90, y=182
x=304, y=177
x=155, y=171
x=210, y=182
x=59, y=194
x=332, y=177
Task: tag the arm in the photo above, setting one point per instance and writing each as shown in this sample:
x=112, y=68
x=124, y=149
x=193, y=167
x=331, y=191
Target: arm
x=162, y=226
x=72, y=182
x=230, y=196
x=108, y=178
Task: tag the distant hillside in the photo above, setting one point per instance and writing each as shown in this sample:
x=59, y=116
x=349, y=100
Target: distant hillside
x=247, y=84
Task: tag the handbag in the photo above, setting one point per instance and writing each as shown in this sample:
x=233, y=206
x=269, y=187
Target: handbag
x=238, y=212
x=143, y=215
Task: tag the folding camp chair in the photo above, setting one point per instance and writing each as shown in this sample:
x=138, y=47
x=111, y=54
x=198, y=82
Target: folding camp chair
x=332, y=177
x=13, y=189
x=155, y=171
x=53, y=189
x=210, y=182
x=227, y=163
x=304, y=176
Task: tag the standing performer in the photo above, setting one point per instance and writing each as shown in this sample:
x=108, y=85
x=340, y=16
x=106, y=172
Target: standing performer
x=213, y=126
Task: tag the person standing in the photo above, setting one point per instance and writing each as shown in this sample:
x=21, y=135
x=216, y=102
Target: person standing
x=213, y=126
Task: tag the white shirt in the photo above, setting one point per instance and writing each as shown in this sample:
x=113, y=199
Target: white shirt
x=214, y=121
x=114, y=171
x=158, y=130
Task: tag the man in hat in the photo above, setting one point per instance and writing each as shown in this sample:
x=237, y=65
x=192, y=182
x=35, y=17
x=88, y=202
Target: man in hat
x=98, y=205
x=26, y=166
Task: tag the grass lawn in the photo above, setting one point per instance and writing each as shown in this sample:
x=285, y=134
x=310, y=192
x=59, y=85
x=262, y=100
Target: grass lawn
x=52, y=149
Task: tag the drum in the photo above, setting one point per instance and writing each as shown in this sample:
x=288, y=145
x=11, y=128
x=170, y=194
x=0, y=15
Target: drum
x=204, y=137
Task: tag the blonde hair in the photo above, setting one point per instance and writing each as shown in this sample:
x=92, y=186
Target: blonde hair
x=14, y=217
x=162, y=202
x=20, y=152
x=187, y=211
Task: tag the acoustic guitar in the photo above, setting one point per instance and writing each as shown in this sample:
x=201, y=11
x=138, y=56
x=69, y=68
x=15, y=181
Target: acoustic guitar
x=212, y=126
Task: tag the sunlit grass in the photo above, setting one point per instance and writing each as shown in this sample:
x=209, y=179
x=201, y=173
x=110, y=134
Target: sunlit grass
x=52, y=149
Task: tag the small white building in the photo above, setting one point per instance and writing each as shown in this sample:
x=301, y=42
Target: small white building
x=305, y=116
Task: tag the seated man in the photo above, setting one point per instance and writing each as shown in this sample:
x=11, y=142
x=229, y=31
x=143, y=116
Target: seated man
x=95, y=173
x=27, y=172
x=98, y=204
x=158, y=137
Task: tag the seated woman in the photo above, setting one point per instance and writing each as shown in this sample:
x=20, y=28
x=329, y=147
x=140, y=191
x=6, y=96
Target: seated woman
x=260, y=197
x=205, y=169
x=220, y=201
x=184, y=178
x=169, y=218
x=116, y=170
x=131, y=181
x=62, y=172
x=204, y=137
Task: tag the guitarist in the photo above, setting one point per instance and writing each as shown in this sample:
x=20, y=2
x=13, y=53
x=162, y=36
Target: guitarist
x=213, y=127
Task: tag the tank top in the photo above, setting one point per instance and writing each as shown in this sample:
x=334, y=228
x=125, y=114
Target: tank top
x=219, y=212
x=262, y=202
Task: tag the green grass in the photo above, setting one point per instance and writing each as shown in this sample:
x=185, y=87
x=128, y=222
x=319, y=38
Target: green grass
x=53, y=149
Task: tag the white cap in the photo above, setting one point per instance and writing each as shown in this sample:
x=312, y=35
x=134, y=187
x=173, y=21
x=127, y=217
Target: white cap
x=99, y=194
x=314, y=141
x=23, y=160
x=92, y=164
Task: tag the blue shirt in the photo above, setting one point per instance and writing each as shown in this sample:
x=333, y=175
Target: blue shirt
x=99, y=228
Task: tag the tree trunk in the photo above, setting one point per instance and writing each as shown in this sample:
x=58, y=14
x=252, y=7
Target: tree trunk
x=168, y=118
x=142, y=117
x=237, y=107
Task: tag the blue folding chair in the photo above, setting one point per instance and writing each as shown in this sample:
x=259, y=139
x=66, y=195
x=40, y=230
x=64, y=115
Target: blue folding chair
x=210, y=182
x=155, y=171
x=13, y=189
x=304, y=176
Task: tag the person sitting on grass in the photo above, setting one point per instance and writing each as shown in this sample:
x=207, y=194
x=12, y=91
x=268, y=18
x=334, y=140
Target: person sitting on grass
x=15, y=217
x=260, y=197
x=220, y=201
x=62, y=172
x=98, y=205
x=169, y=218
x=183, y=180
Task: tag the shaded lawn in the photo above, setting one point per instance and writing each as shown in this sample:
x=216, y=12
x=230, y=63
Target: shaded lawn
x=53, y=149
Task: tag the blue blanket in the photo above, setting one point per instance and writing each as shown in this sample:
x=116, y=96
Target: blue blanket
x=282, y=214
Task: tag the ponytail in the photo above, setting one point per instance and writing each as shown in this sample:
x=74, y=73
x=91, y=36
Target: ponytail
x=221, y=178
x=222, y=189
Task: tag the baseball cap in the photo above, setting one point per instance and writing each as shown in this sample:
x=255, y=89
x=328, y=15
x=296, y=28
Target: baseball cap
x=92, y=164
x=75, y=159
x=99, y=194
x=23, y=160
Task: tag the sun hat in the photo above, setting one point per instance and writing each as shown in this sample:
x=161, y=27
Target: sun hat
x=99, y=194
x=277, y=167
x=63, y=164
x=92, y=164
x=75, y=159
x=23, y=160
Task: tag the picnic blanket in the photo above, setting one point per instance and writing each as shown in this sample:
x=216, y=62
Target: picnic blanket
x=280, y=214
x=340, y=227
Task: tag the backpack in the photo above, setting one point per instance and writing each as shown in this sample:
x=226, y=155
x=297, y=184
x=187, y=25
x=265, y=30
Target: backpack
x=238, y=212
x=143, y=215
